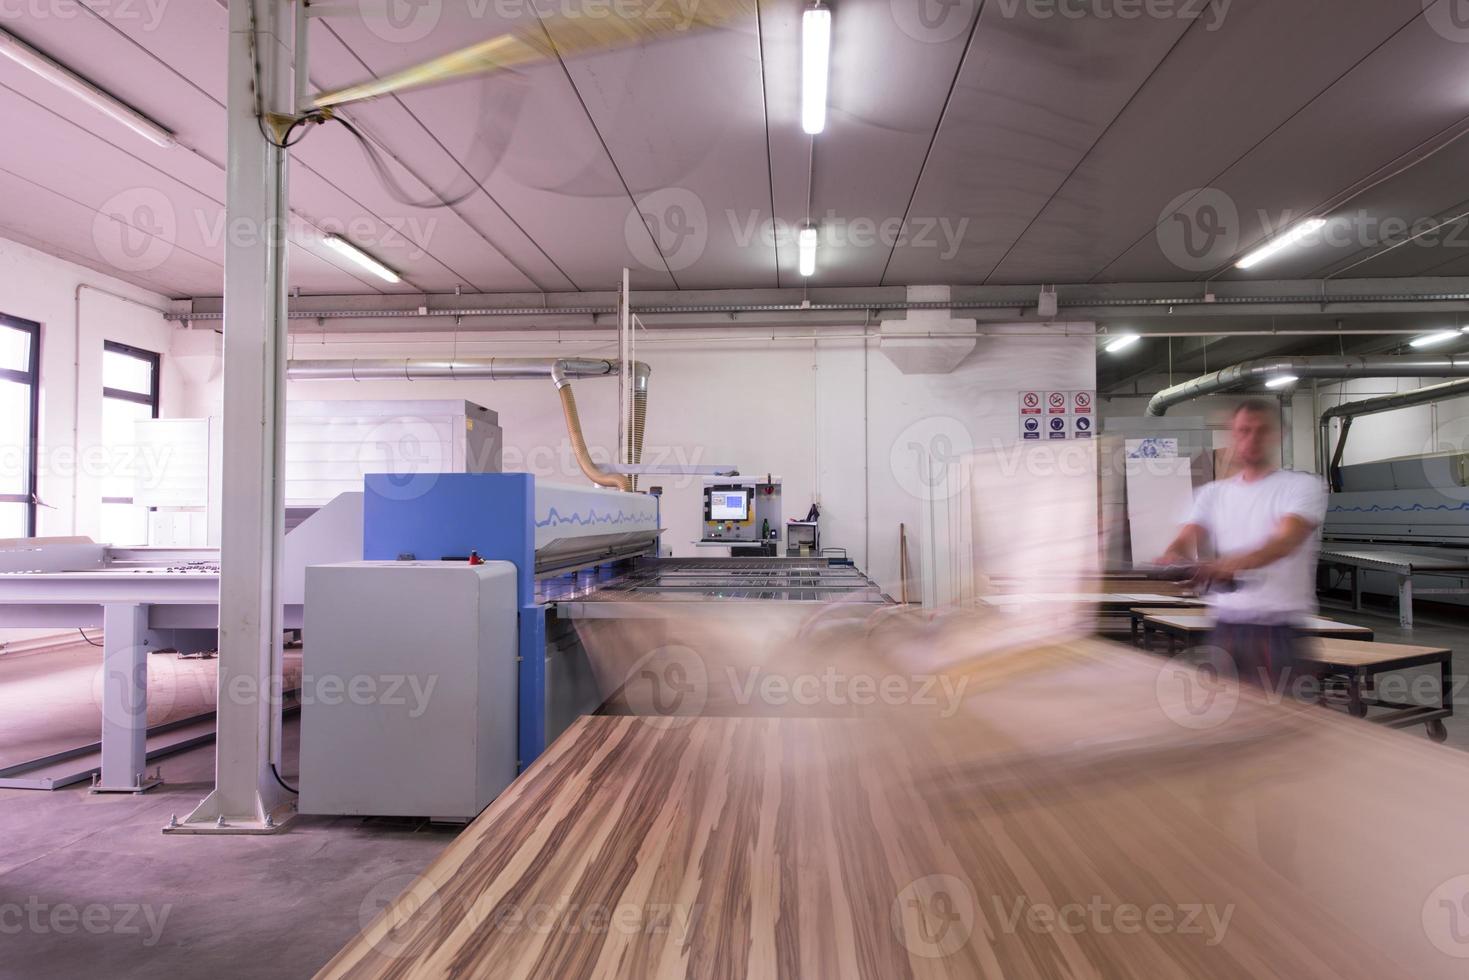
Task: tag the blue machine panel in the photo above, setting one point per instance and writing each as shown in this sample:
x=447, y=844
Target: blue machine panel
x=448, y=515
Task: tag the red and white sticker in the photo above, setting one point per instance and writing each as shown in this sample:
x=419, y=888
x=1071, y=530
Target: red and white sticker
x=1083, y=402
x=1056, y=403
x=1030, y=403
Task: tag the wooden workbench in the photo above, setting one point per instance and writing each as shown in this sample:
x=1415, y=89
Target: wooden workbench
x=1196, y=627
x=1359, y=665
x=811, y=848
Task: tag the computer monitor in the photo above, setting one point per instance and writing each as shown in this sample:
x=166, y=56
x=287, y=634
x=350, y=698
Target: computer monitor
x=729, y=505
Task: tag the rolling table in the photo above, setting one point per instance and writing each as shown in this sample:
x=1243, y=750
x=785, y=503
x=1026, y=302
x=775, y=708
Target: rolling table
x=1359, y=664
x=1140, y=613
x=1402, y=564
x=1188, y=628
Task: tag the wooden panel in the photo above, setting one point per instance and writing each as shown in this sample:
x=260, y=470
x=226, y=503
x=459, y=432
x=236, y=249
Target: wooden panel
x=822, y=848
x=1359, y=653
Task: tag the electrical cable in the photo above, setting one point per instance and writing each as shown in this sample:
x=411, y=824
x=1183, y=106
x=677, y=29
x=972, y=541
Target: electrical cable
x=284, y=785
x=390, y=182
x=87, y=638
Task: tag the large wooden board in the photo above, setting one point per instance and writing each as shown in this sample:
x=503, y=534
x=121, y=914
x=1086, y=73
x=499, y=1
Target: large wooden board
x=780, y=847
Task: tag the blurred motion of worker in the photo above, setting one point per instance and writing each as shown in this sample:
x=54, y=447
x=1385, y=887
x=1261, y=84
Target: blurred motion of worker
x=1263, y=525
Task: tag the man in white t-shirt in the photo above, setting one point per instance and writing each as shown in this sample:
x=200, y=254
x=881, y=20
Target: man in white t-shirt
x=1264, y=525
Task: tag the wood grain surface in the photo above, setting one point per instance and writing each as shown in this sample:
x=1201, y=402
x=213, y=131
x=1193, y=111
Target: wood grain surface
x=729, y=847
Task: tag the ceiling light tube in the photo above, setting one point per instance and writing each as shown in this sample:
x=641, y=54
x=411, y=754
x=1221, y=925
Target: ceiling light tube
x=343, y=247
x=64, y=78
x=1282, y=381
x=1122, y=342
x=806, y=245
x=1291, y=238
x=815, y=64
x=1434, y=339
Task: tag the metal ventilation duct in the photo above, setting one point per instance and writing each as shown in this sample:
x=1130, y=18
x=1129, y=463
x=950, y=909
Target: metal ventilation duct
x=1333, y=367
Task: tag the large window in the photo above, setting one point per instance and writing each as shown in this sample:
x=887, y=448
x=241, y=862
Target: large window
x=20, y=370
x=129, y=393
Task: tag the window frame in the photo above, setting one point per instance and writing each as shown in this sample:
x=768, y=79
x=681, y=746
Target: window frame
x=31, y=377
x=151, y=399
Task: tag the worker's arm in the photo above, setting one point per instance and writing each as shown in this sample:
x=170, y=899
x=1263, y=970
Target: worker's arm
x=1185, y=547
x=1291, y=533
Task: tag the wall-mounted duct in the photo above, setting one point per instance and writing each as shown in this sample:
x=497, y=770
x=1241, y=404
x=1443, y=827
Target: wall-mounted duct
x=559, y=370
x=1332, y=367
x=1372, y=406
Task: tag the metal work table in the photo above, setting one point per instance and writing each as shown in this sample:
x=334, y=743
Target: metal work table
x=1402, y=564
x=126, y=603
x=1187, y=628
x=715, y=582
x=1359, y=664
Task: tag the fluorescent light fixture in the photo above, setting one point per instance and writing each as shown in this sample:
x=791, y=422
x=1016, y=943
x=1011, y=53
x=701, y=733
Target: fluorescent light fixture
x=343, y=247
x=1290, y=238
x=1434, y=339
x=806, y=245
x=815, y=63
x=64, y=78
x=1282, y=381
x=1122, y=343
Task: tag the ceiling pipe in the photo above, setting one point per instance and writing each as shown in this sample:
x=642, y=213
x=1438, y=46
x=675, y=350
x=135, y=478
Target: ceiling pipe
x=1071, y=302
x=1330, y=366
x=559, y=370
x=1372, y=406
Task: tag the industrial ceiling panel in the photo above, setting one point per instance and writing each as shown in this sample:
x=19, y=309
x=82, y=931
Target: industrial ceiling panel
x=1033, y=97
x=62, y=226
x=546, y=165
x=472, y=232
x=788, y=146
x=355, y=202
x=893, y=63
x=1413, y=225
x=684, y=122
x=142, y=209
x=1323, y=153
x=1227, y=85
x=149, y=63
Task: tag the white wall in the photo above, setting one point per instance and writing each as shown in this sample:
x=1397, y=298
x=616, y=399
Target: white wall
x=39, y=287
x=68, y=301
x=834, y=420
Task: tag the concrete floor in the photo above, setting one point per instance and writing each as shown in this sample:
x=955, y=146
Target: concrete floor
x=89, y=885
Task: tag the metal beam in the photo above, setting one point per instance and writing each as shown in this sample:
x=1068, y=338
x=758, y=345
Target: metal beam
x=798, y=306
x=246, y=796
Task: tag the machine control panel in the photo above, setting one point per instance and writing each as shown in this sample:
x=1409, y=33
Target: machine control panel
x=741, y=512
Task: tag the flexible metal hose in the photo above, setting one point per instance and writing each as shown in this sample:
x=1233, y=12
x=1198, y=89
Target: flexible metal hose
x=579, y=446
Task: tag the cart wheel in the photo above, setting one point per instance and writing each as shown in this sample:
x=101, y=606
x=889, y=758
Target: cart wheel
x=1437, y=731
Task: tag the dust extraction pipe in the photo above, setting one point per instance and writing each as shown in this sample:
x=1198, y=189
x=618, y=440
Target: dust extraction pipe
x=1260, y=371
x=560, y=370
x=1372, y=406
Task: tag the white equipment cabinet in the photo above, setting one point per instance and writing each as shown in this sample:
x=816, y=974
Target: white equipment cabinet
x=409, y=683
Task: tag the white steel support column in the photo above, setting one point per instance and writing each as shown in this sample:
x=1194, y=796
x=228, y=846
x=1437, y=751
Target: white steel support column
x=124, y=699
x=247, y=797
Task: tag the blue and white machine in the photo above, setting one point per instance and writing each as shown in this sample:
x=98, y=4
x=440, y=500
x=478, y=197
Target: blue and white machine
x=547, y=531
